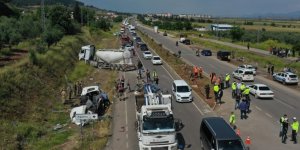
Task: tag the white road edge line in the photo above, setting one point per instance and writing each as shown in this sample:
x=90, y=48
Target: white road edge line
x=258, y=108
x=268, y=115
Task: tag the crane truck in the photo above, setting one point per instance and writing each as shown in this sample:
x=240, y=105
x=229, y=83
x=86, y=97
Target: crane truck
x=155, y=122
x=116, y=59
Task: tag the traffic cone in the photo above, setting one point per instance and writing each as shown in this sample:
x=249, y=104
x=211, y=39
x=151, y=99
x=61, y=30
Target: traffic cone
x=248, y=141
x=238, y=132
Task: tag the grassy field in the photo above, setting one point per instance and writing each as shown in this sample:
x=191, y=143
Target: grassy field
x=30, y=96
x=251, y=58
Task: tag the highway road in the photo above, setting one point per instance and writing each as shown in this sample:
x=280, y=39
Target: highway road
x=190, y=114
x=285, y=101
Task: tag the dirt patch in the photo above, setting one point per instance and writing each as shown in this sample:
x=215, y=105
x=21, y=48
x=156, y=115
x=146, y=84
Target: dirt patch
x=15, y=55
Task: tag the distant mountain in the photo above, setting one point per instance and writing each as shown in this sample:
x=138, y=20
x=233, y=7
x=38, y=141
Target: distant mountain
x=290, y=15
x=47, y=2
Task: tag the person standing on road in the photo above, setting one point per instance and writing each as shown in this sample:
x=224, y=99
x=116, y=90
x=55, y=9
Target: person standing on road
x=281, y=120
x=212, y=75
x=216, y=90
x=295, y=128
x=227, y=79
x=155, y=76
x=176, y=43
x=233, y=88
x=285, y=127
x=243, y=108
x=232, y=120
x=246, y=94
x=200, y=71
x=148, y=76
x=237, y=101
x=179, y=53
x=195, y=71
x=242, y=87
x=220, y=95
x=272, y=69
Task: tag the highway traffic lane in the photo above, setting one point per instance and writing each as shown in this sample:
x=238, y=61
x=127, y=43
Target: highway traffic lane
x=186, y=112
x=219, y=67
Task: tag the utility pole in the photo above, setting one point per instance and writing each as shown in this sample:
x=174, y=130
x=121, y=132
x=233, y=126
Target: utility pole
x=43, y=17
x=81, y=14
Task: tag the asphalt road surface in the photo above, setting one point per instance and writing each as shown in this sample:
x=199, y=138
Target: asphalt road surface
x=286, y=100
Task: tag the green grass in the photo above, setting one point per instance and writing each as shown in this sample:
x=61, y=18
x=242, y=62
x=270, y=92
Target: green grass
x=81, y=70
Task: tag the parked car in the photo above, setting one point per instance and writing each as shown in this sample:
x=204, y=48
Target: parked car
x=243, y=74
x=138, y=39
x=156, y=60
x=224, y=55
x=286, y=77
x=249, y=67
x=144, y=47
x=147, y=55
x=261, y=91
x=206, y=52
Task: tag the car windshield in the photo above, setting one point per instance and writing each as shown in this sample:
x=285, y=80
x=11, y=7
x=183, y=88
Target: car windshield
x=156, y=58
x=230, y=145
x=182, y=89
x=264, y=88
x=158, y=123
x=293, y=76
x=147, y=52
x=248, y=72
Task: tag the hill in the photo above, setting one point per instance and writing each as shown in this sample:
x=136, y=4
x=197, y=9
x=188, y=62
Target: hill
x=47, y=2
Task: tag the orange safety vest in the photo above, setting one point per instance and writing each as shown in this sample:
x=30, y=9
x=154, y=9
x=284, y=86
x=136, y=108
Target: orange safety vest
x=195, y=69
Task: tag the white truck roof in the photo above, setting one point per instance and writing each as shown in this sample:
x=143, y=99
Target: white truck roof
x=89, y=89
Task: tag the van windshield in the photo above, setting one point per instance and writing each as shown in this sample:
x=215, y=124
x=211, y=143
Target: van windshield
x=248, y=72
x=230, y=145
x=182, y=89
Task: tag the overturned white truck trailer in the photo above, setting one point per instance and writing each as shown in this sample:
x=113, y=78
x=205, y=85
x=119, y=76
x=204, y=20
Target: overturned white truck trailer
x=155, y=122
x=115, y=59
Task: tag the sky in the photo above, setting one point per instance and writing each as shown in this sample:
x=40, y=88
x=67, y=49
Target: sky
x=229, y=8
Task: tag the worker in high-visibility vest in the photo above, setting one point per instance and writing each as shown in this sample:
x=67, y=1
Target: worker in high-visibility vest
x=232, y=120
x=295, y=128
x=246, y=94
x=233, y=88
x=155, y=76
x=243, y=87
x=216, y=90
x=227, y=79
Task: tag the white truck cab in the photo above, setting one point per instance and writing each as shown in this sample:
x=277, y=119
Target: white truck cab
x=87, y=52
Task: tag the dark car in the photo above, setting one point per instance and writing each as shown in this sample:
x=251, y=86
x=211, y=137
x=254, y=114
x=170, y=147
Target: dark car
x=223, y=55
x=138, y=39
x=206, y=52
x=187, y=42
x=133, y=34
x=144, y=47
x=217, y=134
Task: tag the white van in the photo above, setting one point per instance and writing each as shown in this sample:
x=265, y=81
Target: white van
x=243, y=74
x=182, y=91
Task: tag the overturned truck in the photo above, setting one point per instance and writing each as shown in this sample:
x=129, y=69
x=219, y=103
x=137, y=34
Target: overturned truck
x=115, y=59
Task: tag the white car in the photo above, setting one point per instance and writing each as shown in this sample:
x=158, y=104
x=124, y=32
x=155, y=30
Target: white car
x=147, y=55
x=261, y=91
x=243, y=74
x=286, y=77
x=249, y=67
x=156, y=60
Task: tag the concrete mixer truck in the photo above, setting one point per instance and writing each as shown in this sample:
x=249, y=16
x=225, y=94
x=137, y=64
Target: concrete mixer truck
x=107, y=58
x=155, y=122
